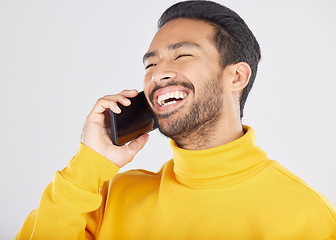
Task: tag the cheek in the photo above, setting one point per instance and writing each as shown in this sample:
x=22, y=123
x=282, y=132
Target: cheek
x=147, y=78
x=196, y=73
x=147, y=84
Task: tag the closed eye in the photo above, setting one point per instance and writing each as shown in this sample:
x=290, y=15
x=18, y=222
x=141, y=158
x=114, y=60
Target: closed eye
x=150, y=65
x=183, y=55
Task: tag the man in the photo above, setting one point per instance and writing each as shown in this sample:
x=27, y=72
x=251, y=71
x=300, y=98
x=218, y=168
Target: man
x=200, y=67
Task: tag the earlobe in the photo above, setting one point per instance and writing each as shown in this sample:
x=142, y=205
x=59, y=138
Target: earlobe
x=242, y=74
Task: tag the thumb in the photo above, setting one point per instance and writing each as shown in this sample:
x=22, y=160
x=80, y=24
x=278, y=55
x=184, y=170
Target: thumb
x=136, y=145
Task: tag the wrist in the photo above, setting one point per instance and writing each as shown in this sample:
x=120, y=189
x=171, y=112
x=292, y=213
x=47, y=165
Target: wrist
x=89, y=170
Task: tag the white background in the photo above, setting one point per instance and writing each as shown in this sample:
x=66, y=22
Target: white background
x=58, y=57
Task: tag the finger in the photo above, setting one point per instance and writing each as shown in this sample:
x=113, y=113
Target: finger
x=122, y=97
x=118, y=98
x=136, y=145
x=129, y=93
x=124, y=94
x=103, y=104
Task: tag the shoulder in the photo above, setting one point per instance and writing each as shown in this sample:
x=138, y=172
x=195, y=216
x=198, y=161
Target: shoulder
x=141, y=174
x=301, y=195
x=138, y=179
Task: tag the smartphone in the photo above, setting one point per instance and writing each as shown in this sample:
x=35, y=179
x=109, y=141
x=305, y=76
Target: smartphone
x=133, y=121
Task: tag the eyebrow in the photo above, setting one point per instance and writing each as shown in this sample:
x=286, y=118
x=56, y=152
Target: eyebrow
x=170, y=47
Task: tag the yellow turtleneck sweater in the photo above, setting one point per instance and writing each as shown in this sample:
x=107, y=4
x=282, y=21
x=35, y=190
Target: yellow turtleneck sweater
x=229, y=192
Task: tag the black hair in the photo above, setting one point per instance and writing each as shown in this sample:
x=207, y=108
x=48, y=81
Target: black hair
x=233, y=39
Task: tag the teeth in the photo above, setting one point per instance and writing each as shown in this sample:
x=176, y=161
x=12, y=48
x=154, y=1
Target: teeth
x=177, y=95
x=168, y=103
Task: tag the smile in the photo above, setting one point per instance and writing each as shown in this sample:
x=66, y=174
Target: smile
x=171, y=98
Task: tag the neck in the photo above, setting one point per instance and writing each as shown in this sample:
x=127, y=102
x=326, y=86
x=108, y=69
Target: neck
x=210, y=135
x=219, y=167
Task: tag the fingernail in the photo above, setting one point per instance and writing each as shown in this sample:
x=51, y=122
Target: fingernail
x=117, y=110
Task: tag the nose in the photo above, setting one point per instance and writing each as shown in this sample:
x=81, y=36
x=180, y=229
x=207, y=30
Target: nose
x=162, y=72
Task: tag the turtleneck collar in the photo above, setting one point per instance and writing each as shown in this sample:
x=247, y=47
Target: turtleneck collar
x=220, y=166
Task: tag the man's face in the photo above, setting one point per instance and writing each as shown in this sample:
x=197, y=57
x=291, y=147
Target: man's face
x=183, y=78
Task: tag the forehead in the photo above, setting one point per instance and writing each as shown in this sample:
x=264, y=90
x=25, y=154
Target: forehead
x=182, y=30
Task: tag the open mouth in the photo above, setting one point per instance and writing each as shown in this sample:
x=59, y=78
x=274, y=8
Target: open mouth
x=169, y=98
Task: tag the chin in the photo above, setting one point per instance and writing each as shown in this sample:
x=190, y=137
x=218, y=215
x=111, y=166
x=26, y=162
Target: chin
x=174, y=127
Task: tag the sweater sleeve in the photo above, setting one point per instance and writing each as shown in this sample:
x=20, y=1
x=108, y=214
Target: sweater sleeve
x=69, y=206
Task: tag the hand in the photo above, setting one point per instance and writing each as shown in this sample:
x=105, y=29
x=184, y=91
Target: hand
x=95, y=133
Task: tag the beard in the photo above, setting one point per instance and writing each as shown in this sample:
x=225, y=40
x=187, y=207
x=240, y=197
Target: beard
x=199, y=122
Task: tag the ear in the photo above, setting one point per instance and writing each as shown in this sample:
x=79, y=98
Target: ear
x=241, y=73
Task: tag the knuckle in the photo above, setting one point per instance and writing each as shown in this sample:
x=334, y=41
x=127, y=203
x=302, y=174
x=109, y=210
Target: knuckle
x=89, y=118
x=125, y=92
x=109, y=95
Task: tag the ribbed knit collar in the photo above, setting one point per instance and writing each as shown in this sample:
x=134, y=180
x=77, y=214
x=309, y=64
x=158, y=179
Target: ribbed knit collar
x=220, y=166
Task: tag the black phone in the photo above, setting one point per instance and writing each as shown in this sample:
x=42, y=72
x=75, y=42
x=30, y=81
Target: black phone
x=133, y=121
